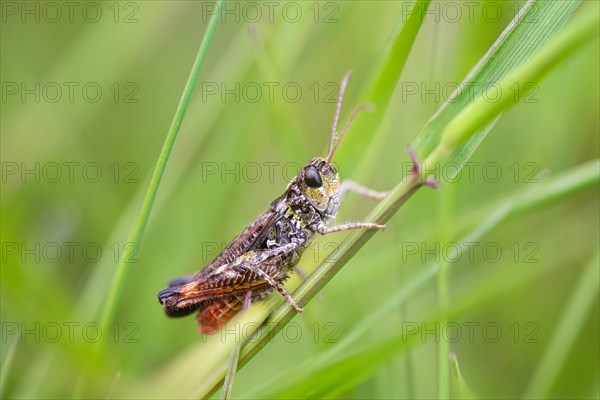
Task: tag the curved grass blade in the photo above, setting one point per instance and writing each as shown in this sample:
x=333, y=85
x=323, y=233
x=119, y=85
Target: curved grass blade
x=411, y=290
x=356, y=365
x=515, y=44
x=137, y=231
x=568, y=184
x=482, y=112
x=381, y=214
x=565, y=185
x=139, y=225
x=9, y=357
x=461, y=389
x=446, y=221
x=529, y=31
x=381, y=88
x=332, y=376
x=585, y=295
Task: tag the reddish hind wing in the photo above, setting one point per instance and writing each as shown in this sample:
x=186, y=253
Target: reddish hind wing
x=215, y=315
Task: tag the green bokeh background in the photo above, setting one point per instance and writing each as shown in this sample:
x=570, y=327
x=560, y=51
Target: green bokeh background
x=139, y=54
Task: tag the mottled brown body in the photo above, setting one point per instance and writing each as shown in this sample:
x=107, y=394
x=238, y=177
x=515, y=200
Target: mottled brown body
x=259, y=259
x=271, y=245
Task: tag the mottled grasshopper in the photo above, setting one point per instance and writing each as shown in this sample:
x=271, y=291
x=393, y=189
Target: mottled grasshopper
x=259, y=259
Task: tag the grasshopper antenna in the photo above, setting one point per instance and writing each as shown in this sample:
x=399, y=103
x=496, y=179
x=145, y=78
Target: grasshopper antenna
x=336, y=116
x=334, y=140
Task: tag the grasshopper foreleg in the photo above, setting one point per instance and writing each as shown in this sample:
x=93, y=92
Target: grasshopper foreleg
x=324, y=229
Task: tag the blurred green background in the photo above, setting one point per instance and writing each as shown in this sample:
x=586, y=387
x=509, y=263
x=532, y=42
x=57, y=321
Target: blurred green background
x=88, y=94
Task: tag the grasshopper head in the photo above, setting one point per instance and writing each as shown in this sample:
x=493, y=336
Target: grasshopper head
x=319, y=182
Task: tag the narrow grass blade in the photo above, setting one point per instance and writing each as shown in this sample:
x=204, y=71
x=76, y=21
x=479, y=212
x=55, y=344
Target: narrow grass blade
x=352, y=339
x=233, y=359
x=192, y=373
x=331, y=376
x=566, y=184
x=382, y=85
x=585, y=295
x=512, y=49
x=445, y=236
x=389, y=206
x=516, y=44
x=230, y=373
x=7, y=363
x=137, y=231
x=482, y=112
x=200, y=113
x=461, y=389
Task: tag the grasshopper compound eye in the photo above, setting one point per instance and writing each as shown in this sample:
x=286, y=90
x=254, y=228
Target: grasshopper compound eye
x=312, y=177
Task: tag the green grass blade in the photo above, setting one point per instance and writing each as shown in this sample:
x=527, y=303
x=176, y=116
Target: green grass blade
x=461, y=390
x=303, y=375
x=7, y=363
x=190, y=375
x=513, y=48
x=585, y=295
x=331, y=376
x=445, y=223
x=381, y=88
x=482, y=112
x=232, y=367
x=230, y=373
x=389, y=206
x=576, y=179
x=137, y=231
x=510, y=45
